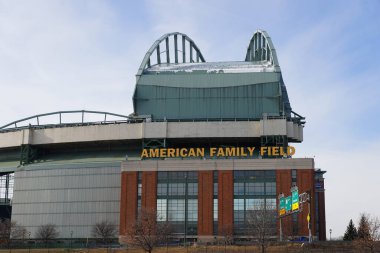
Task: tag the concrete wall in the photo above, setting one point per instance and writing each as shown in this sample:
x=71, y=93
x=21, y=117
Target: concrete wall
x=217, y=164
x=72, y=198
x=147, y=130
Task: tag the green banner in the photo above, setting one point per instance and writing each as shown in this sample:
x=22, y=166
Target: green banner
x=295, y=200
x=281, y=208
x=288, y=203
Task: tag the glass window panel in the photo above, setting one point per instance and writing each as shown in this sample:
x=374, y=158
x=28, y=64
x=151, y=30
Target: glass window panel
x=215, y=176
x=239, y=174
x=255, y=204
x=162, y=175
x=258, y=175
x=215, y=210
x=238, y=210
x=294, y=174
x=11, y=184
x=192, y=210
x=215, y=189
x=176, y=210
x=161, y=209
x=270, y=188
x=192, y=175
x=258, y=188
x=139, y=176
x=138, y=205
x=238, y=188
x=176, y=189
x=249, y=189
x=162, y=189
x=139, y=189
x=192, y=188
x=271, y=204
x=6, y=189
x=270, y=174
x=178, y=175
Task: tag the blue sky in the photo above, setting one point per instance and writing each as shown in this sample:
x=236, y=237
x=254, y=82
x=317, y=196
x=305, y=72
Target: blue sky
x=63, y=55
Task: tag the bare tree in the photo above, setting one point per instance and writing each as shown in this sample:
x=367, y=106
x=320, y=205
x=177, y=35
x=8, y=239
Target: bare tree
x=368, y=232
x=261, y=223
x=146, y=232
x=104, y=230
x=47, y=233
x=11, y=230
x=226, y=234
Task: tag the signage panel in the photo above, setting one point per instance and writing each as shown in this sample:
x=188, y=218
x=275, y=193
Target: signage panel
x=282, y=206
x=288, y=203
x=295, y=200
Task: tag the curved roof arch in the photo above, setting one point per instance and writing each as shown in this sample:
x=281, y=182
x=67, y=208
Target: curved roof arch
x=146, y=62
x=25, y=122
x=261, y=48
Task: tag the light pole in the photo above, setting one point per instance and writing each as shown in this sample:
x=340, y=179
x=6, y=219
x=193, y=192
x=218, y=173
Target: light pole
x=185, y=235
x=71, y=239
x=330, y=233
x=29, y=241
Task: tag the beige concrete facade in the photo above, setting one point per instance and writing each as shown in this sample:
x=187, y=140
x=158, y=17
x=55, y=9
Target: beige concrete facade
x=218, y=164
x=153, y=130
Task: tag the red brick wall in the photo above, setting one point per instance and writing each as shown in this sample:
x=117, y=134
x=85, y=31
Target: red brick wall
x=128, y=200
x=149, y=190
x=283, y=185
x=305, y=182
x=225, y=202
x=205, y=202
x=322, y=216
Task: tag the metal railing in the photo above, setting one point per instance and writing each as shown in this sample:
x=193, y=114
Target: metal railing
x=25, y=122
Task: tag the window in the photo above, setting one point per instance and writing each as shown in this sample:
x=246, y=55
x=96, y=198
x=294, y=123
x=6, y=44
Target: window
x=177, y=175
x=177, y=199
x=161, y=209
x=239, y=174
x=162, y=175
x=138, y=207
x=254, y=204
x=193, y=175
x=6, y=187
x=192, y=189
x=294, y=174
x=139, y=189
x=294, y=178
x=215, y=189
x=192, y=210
x=271, y=204
x=139, y=176
x=176, y=189
x=238, y=188
x=176, y=210
x=254, y=188
x=238, y=210
x=215, y=210
x=270, y=188
x=162, y=189
x=270, y=175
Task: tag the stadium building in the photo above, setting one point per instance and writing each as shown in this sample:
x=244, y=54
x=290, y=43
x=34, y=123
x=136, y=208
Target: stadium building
x=208, y=142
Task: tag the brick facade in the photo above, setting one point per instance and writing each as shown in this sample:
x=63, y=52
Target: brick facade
x=149, y=190
x=205, y=203
x=305, y=183
x=128, y=200
x=225, y=202
x=291, y=226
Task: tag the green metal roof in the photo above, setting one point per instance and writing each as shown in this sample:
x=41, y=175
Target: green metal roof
x=207, y=80
x=189, y=90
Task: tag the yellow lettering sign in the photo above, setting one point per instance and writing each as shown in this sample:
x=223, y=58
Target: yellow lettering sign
x=219, y=152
